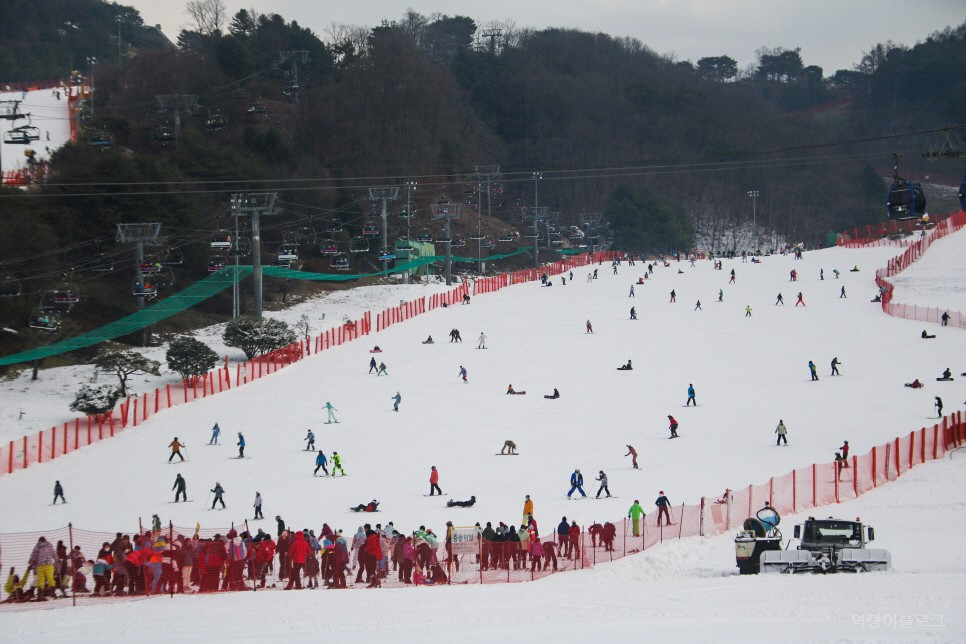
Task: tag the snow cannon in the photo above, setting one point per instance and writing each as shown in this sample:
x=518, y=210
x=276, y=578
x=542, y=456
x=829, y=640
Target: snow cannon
x=759, y=535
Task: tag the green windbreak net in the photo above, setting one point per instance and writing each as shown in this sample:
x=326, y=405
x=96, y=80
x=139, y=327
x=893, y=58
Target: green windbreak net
x=201, y=291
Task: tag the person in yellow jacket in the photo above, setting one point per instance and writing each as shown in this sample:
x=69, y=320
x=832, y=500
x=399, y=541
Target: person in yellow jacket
x=13, y=589
x=635, y=514
x=527, y=510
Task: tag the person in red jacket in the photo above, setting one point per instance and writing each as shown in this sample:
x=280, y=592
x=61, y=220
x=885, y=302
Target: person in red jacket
x=373, y=550
x=845, y=454
x=574, y=539
x=434, y=482
x=297, y=552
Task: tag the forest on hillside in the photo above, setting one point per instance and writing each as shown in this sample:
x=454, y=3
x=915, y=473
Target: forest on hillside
x=600, y=132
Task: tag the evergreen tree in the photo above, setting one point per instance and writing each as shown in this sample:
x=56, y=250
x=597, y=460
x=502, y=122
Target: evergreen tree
x=125, y=364
x=94, y=401
x=256, y=336
x=190, y=357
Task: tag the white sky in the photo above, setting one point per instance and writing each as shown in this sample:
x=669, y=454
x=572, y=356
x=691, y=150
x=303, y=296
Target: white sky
x=831, y=34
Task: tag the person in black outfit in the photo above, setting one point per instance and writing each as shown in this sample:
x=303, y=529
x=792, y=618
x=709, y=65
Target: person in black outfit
x=180, y=487
x=556, y=394
x=58, y=492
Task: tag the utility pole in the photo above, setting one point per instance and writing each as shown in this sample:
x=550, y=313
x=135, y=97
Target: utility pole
x=447, y=212
x=484, y=173
x=139, y=234
x=384, y=194
x=589, y=221
x=255, y=204
x=754, y=217
x=296, y=57
x=176, y=103
x=92, y=62
x=118, y=19
x=409, y=186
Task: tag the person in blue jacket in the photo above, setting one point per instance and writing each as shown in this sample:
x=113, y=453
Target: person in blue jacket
x=241, y=445
x=811, y=369
x=395, y=401
x=576, y=483
x=215, y=432
x=320, y=462
x=691, y=396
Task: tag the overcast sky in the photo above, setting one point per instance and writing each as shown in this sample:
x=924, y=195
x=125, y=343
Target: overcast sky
x=831, y=33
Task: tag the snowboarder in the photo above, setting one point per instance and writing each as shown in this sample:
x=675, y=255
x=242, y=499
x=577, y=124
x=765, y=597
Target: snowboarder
x=434, y=482
x=842, y=294
x=595, y=273
x=947, y=375
x=58, y=492
x=219, y=496
x=732, y=280
x=310, y=442
x=720, y=295
x=482, y=343
x=509, y=447
x=577, y=483
x=631, y=294
x=428, y=340
x=748, y=311
x=462, y=374
x=633, y=313
x=329, y=408
x=780, y=300
x=554, y=395
x=781, y=430
x=835, y=367
x=691, y=397
x=258, y=505
x=320, y=462
x=180, y=488
x=176, y=450
x=812, y=370
x=395, y=401
x=241, y=445
x=372, y=366
x=836, y=272
x=663, y=504
x=635, y=514
x=945, y=318
x=590, y=327
x=673, y=425
x=215, y=432
x=382, y=370
x=626, y=367
x=939, y=407
x=454, y=336
x=800, y=300
x=337, y=463
x=697, y=307
x=633, y=454
x=603, y=484
x=673, y=296
x=821, y=274
x=527, y=511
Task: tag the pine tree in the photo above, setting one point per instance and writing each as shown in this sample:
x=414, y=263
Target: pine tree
x=190, y=357
x=124, y=364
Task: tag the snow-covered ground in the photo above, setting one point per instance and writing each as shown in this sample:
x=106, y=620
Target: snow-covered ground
x=749, y=372
x=47, y=113
x=938, y=279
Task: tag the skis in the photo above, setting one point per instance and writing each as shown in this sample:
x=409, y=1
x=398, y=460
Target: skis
x=602, y=498
x=329, y=422
x=675, y=436
x=435, y=494
x=513, y=454
x=238, y=458
x=188, y=501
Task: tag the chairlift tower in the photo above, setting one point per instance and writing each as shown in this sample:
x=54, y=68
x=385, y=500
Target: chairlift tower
x=384, y=194
x=552, y=219
x=492, y=35
x=537, y=215
x=139, y=235
x=255, y=205
x=409, y=186
x=589, y=221
x=447, y=212
x=176, y=103
x=484, y=173
x=295, y=57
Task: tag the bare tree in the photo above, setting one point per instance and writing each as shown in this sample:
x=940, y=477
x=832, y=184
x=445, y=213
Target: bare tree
x=207, y=16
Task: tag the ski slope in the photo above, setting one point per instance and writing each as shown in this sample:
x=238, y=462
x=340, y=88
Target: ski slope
x=749, y=372
x=49, y=114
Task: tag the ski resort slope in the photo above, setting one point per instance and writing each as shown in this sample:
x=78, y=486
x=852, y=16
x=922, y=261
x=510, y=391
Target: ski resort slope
x=748, y=372
x=47, y=113
x=938, y=279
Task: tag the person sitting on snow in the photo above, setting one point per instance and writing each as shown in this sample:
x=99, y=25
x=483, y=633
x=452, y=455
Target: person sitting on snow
x=626, y=367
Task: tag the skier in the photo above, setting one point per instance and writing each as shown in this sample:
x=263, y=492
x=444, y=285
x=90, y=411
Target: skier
x=633, y=313
x=748, y=311
x=673, y=426
x=635, y=514
x=691, y=396
x=595, y=273
x=310, y=442
x=215, y=432
x=835, y=367
x=939, y=407
x=219, y=492
x=845, y=453
x=462, y=374
x=780, y=300
x=180, y=488
x=821, y=274
x=509, y=447
x=603, y=484
x=590, y=327
x=836, y=271
x=631, y=294
x=663, y=504
x=482, y=342
x=372, y=365
x=395, y=401
x=842, y=294
x=732, y=280
x=454, y=336
x=673, y=296
x=434, y=482
x=577, y=483
x=633, y=454
x=812, y=370
x=800, y=300
x=337, y=463
x=781, y=430
x=320, y=462
x=58, y=492
x=697, y=307
x=720, y=295
x=382, y=370
x=176, y=450
x=329, y=408
x=258, y=505
x=945, y=318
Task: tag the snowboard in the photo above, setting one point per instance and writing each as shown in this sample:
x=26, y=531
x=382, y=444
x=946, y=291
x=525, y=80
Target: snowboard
x=690, y=405
x=443, y=494
x=329, y=422
x=944, y=379
x=375, y=351
x=514, y=454
x=481, y=347
x=188, y=501
x=238, y=458
x=518, y=393
x=670, y=437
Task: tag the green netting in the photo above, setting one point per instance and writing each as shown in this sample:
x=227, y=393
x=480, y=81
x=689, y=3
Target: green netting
x=201, y=291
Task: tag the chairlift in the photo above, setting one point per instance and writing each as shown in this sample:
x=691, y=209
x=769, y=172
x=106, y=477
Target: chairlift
x=150, y=266
x=288, y=252
x=496, y=189
x=258, y=108
x=333, y=225
x=424, y=236
x=16, y=136
x=65, y=295
x=216, y=263
x=386, y=255
x=506, y=237
x=470, y=202
x=32, y=131
x=10, y=286
x=406, y=213
x=444, y=240
x=370, y=228
x=240, y=94
x=44, y=318
x=163, y=135
x=221, y=239
x=404, y=243
x=172, y=256
x=339, y=262
x=487, y=245
x=306, y=235
x=477, y=236
x=290, y=237
x=359, y=245
x=146, y=289
x=328, y=247
x=101, y=263
x=906, y=199
x=164, y=277
x=241, y=247
x=282, y=262
x=469, y=189
x=216, y=121
x=458, y=242
x=100, y=139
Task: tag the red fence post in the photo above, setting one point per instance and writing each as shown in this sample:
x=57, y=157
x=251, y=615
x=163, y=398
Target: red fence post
x=794, y=490
x=771, y=491
x=875, y=475
x=855, y=475
x=25, y=451
x=814, y=485
x=897, y=457
x=922, y=448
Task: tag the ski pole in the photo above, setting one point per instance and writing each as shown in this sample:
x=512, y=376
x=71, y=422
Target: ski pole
x=185, y=451
x=208, y=499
